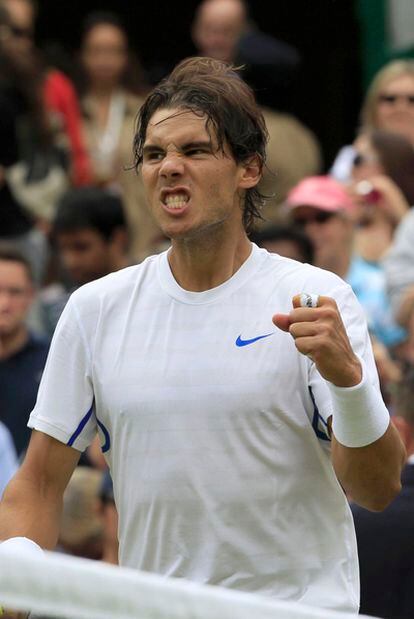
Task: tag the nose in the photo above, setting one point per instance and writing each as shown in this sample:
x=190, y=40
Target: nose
x=172, y=165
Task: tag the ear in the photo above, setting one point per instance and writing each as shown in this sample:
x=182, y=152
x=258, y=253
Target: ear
x=251, y=172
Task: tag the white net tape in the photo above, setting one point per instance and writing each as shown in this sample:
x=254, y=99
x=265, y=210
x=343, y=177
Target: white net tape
x=62, y=586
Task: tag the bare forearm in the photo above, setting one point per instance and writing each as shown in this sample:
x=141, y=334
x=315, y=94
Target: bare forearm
x=370, y=475
x=26, y=511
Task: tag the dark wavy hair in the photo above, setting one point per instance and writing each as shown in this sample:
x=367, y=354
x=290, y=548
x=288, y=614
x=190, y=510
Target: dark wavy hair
x=214, y=90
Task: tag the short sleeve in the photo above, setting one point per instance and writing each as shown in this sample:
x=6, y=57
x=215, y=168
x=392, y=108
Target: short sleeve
x=356, y=327
x=65, y=403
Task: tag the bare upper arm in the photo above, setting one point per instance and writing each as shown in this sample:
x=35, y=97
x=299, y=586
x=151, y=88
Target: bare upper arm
x=49, y=463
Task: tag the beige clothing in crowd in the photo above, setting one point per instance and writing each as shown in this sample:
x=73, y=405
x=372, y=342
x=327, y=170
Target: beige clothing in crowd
x=111, y=163
x=292, y=153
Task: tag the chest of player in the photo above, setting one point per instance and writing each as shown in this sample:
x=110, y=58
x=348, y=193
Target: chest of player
x=192, y=357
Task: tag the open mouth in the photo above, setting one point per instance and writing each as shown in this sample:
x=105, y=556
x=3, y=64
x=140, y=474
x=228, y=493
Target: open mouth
x=175, y=198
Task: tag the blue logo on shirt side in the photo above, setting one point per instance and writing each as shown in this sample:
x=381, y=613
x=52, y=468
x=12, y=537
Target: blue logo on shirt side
x=240, y=342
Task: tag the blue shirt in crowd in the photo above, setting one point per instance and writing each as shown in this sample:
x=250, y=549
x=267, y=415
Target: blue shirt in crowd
x=20, y=376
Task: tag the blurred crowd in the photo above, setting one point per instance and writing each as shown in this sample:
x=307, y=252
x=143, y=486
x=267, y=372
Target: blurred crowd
x=72, y=209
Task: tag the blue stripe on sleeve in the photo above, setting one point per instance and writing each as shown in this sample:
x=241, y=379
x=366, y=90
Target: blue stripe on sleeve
x=80, y=427
x=107, y=445
x=317, y=417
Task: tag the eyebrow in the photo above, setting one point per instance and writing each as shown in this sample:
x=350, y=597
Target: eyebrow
x=152, y=148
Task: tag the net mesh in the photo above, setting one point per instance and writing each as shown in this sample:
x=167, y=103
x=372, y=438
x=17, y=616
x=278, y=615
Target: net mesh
x=62, y=586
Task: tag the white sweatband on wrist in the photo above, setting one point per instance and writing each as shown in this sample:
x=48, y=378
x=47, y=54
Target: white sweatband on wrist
x=359, y=416
x=22, y=545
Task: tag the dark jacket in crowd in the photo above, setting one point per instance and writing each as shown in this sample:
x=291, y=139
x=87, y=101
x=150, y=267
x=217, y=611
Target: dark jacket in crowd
x=386, y=555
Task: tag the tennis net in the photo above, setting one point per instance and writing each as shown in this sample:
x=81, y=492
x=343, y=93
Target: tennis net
x=61, y=586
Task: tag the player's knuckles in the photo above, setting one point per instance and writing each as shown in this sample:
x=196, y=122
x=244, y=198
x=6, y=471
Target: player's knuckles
x=326, y=302
x=329, y=313
x=303, y=314
x=302, y=329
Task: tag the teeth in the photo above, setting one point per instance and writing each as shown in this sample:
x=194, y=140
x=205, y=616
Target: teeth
x=176, y=200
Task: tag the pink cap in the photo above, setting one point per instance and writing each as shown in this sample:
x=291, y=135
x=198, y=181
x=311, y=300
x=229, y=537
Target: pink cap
x=322, y=192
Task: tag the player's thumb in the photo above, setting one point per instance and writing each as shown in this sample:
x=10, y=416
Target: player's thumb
x=282, y=321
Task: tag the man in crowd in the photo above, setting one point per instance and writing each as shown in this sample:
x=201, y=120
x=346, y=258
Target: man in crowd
x=226, y=425
x=386, y=540
x=22, y=353
x=222, y=30
x=90, y=232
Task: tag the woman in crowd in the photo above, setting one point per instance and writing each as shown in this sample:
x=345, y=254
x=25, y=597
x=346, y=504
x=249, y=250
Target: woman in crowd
x=383, y=187
x=110, y=89
x=388, y=106
x=33, y=170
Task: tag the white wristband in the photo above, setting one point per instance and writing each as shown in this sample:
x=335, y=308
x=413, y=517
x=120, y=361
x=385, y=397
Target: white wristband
x=22, y=545
x=360, y=416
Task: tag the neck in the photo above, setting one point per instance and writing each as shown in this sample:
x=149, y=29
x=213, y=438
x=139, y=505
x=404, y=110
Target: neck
x=11, y=343
x=102, y=91
x=338, y=263
x=371, y=243
x=119, y=262
x=201, y=264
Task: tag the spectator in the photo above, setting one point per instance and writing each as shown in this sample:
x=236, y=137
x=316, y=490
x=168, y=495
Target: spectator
x=91, y=236
x=26, y=142
x=22, y=353
x=220, y=30
x=383, y=188
x=399, y=274
x=386, y=539
x=59, y=95
x=388, y=105
x=223, y=29
x=8, y=457
x=81, y=530
x=110, y=101
x=286, y=240
x=109, y=516
x=326, y=212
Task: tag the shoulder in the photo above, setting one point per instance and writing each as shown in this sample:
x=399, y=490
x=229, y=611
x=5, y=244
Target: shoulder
x=58, y=82
x=133, y=102
x=278, y=123
x=117, y=286
x=406, y=225
x=290, y=272
x=38, y=342
x=283, y=278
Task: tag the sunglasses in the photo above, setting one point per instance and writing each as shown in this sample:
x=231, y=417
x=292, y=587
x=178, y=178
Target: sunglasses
x=361, y=159
x=21, y=33
x=392, y=99
x=320, y=217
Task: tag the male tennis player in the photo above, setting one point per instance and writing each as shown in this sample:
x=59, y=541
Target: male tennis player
x=213, y=396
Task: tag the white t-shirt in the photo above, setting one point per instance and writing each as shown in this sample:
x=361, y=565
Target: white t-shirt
x=213, y=425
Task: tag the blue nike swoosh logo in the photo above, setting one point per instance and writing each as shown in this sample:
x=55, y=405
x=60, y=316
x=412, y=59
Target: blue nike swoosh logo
x=240, y=342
